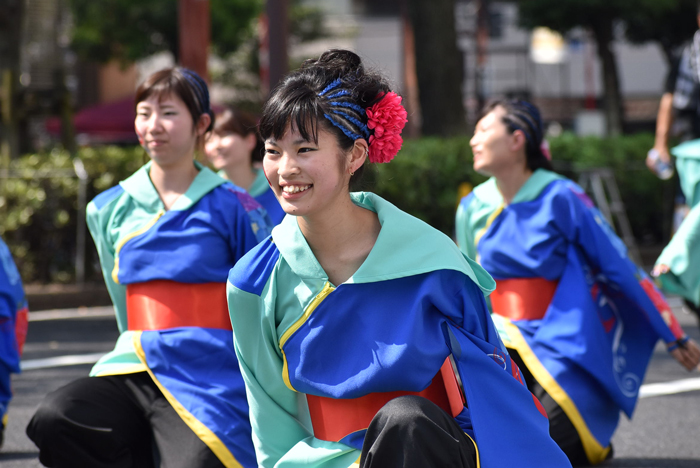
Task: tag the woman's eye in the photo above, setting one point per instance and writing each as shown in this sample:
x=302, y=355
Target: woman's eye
x=270, y=151
x=305, y=150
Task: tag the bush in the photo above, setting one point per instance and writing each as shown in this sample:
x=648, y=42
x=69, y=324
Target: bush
x=39, y=207
x=425, y=177
x=39, y=213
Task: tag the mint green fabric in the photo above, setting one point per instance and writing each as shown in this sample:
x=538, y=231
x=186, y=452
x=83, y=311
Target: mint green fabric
x=472, y=219
x=688, y=167
x=682, y=256
x=282, y=430
x=117, y=219
x=260, y=184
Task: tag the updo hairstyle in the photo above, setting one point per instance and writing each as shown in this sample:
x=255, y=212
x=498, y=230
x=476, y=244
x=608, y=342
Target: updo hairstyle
x=332, y=91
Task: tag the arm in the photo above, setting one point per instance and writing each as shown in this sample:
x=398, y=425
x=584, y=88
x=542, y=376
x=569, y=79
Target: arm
x=664, y=120
x=278, y=415
x=463, y=231
x=98, y=225
x=582, y=224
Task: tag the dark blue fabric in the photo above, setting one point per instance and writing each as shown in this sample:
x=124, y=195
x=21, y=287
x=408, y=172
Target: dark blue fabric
x=254, y=269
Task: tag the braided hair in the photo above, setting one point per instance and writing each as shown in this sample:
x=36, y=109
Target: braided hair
x=524, y=116
x=333, y=92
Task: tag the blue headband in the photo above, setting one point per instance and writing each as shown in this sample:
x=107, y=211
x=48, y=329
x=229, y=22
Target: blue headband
x=200, y=88
x=334, y=101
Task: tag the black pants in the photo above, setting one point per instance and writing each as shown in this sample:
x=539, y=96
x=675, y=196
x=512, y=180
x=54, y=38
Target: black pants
x=561, y=429
x=120, y=421
x=411, y=431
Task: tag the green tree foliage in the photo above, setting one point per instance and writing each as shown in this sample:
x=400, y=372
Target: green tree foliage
x=128, y=30
x=669, y=27
x=600, y=18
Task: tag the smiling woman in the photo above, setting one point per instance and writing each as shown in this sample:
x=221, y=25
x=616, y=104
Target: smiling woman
x=362, y=333
x=171, y=393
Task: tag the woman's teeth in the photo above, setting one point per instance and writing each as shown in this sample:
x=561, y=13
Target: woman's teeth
x=295, y=188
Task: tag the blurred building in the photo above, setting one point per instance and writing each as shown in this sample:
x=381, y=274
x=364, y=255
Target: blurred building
x=560, y=85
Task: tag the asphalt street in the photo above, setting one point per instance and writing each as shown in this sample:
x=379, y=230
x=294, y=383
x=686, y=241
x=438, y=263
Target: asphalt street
x=62, y=344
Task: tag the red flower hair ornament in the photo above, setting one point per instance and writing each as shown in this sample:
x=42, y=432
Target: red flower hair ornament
x=387, y=118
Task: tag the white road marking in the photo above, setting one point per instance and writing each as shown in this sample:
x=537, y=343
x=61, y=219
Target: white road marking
x=60, y=361
x=80, y=312
x=669, y=388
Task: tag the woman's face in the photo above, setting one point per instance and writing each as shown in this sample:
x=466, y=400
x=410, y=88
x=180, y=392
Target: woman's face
x=308, y=178
x=165, y=129
x=229, y=149
x=493, y=146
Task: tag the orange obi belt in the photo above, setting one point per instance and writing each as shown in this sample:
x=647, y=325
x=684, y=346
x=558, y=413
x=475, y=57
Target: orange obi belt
x=335, y=418
x=523, y=298
x=162, y=304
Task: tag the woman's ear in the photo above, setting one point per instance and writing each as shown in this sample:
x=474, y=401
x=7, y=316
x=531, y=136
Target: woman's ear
x=251, y=141
x=358, y=154
x=202, y=124
x=518, y=140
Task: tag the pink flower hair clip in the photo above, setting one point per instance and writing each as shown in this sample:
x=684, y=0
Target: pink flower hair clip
x=387, y=118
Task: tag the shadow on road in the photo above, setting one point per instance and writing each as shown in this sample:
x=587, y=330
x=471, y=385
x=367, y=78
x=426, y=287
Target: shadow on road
x=651, y=463
x=10, y=456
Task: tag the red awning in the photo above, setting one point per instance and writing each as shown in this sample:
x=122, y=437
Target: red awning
x=106, y=123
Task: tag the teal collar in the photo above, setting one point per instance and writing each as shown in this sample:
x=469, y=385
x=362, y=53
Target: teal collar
x=488, y=191
x=406, y=246
x=140, y=188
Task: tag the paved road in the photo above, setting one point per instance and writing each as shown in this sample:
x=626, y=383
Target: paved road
x=663, y=434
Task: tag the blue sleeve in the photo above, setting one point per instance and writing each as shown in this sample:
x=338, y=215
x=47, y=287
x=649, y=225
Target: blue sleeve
x=583, y=225
x=501, y=411
x=251, y=223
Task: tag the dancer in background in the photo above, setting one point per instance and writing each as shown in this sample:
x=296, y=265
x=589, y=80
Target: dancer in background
x=14, y=318
x=231, y=148
x=171, y=393
x=569, y=304
x=362, y=333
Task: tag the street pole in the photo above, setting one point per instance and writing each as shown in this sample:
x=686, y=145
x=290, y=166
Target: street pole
x=278, y=31
x=194, y=35
x=482, y=42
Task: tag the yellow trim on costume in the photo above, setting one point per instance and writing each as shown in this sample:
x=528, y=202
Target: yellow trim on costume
x=120, y=244
x=4, y=420
x=203, y=432
x=595, y=452
x=327, y=289
x=131, y=369
x=357, y=462
x=478, y=462
x=492, y=217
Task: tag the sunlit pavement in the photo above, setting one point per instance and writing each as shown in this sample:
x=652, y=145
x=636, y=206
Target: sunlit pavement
x=63, y=344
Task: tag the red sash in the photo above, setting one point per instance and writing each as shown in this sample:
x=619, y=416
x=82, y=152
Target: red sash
x=522, y=298
x=162, y=304
x=335, y=418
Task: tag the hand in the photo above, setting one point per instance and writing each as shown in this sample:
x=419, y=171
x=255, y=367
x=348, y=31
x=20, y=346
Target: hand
x=659, y=270
x=664, y=155
x=687, y=355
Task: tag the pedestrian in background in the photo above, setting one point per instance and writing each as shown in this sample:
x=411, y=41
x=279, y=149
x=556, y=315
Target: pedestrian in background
x=14, y=316
x=232, y=148
x=171, y=393
x=575, y=313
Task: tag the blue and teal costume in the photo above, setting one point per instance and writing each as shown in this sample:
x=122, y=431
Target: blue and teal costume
x=590, y=348
x=415, y=301
x=196, y=242
x=682, y=253
x=263, y=194
x=13, y=325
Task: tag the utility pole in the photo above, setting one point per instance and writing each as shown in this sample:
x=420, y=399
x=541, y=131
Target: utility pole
x=194, y=22
x=277, y=34
x=482, y=43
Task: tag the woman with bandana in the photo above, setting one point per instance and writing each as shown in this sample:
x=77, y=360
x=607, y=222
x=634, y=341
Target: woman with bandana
x=170, y=393
x=577, y=315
